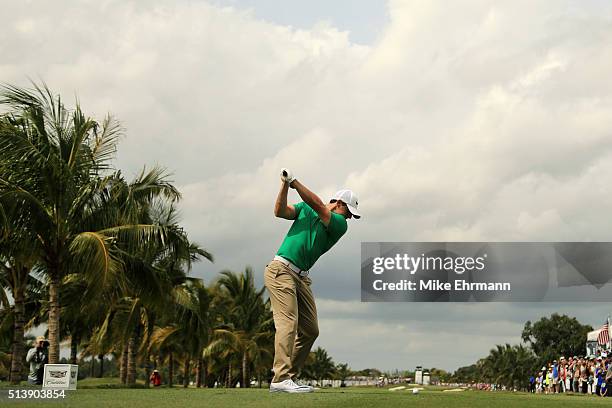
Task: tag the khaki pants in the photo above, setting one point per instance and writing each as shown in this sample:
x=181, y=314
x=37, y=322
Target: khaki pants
x=295, y=319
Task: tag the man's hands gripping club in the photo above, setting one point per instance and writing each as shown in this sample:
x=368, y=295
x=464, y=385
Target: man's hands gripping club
x=287, y=176
x=282, y=210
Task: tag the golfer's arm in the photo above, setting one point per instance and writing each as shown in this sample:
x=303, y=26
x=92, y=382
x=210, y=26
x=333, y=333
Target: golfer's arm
x=313, y=201
x=281, y=209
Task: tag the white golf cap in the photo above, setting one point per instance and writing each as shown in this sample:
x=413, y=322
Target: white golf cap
x=350, y=199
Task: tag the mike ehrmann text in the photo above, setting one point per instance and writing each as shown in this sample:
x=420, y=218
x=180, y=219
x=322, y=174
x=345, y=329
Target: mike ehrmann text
x=433, y=285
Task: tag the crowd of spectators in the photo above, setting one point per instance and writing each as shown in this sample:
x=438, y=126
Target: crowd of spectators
x=585, y=375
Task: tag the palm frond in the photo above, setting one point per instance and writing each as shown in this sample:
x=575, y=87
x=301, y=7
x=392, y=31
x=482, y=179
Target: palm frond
x=104, y=143
x=151, y=184
x=183, y=298
x=4, y=302
x=92, y=251
x=138, y=235
x=4, y=224
x=38, y=210
x=161, y=336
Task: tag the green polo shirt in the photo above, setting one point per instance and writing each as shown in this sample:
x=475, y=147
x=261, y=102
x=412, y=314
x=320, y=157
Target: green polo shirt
x=308, y=238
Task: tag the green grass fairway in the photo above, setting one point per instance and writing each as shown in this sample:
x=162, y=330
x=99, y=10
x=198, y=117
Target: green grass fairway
x=346, y=397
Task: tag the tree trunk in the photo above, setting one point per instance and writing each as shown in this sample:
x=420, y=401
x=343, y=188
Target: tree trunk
x=229, y=375
x=17, y=354
x=147, y=359
x=147, y=371
x=54, y=317
x=131, y=362
x=199, y=373
x=245, y=374
x=123, y=364
x=74, y=348
x=204, y=373
x=92, y=367
x=186, y=372
x=170, y=369
x=101, y=373
x=132, y=354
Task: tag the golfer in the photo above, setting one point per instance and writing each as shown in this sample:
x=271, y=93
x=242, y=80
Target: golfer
x=316, y=228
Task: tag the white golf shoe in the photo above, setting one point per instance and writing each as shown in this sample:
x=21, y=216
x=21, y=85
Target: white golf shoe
x=289, y=386
x=298, y=382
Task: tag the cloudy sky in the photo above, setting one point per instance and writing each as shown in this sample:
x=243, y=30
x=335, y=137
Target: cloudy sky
x=453, y=121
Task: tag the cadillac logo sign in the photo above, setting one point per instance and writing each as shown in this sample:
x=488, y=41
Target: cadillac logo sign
x=60, y=376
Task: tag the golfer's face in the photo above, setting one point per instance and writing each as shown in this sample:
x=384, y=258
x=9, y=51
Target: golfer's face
x=342, y=209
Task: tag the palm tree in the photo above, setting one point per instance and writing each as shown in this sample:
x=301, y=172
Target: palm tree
x=59, y=166
x=187, y=325
x=524, y=365
x=250, y=318
x=55, y=165
x=18, y=256
x=508, y=365
x=7, y=315
x=319, y=365
x=78, y=318
x=342, y=373
x=114, y=241
x=195, y=321
x=150, y=277
x=166, y=263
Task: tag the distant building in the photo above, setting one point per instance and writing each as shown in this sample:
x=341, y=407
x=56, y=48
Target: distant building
x=426, y=378
x=418, y=375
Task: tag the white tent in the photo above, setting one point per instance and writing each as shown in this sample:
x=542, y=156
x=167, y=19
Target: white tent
x=593, y=335
x=592, y=344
